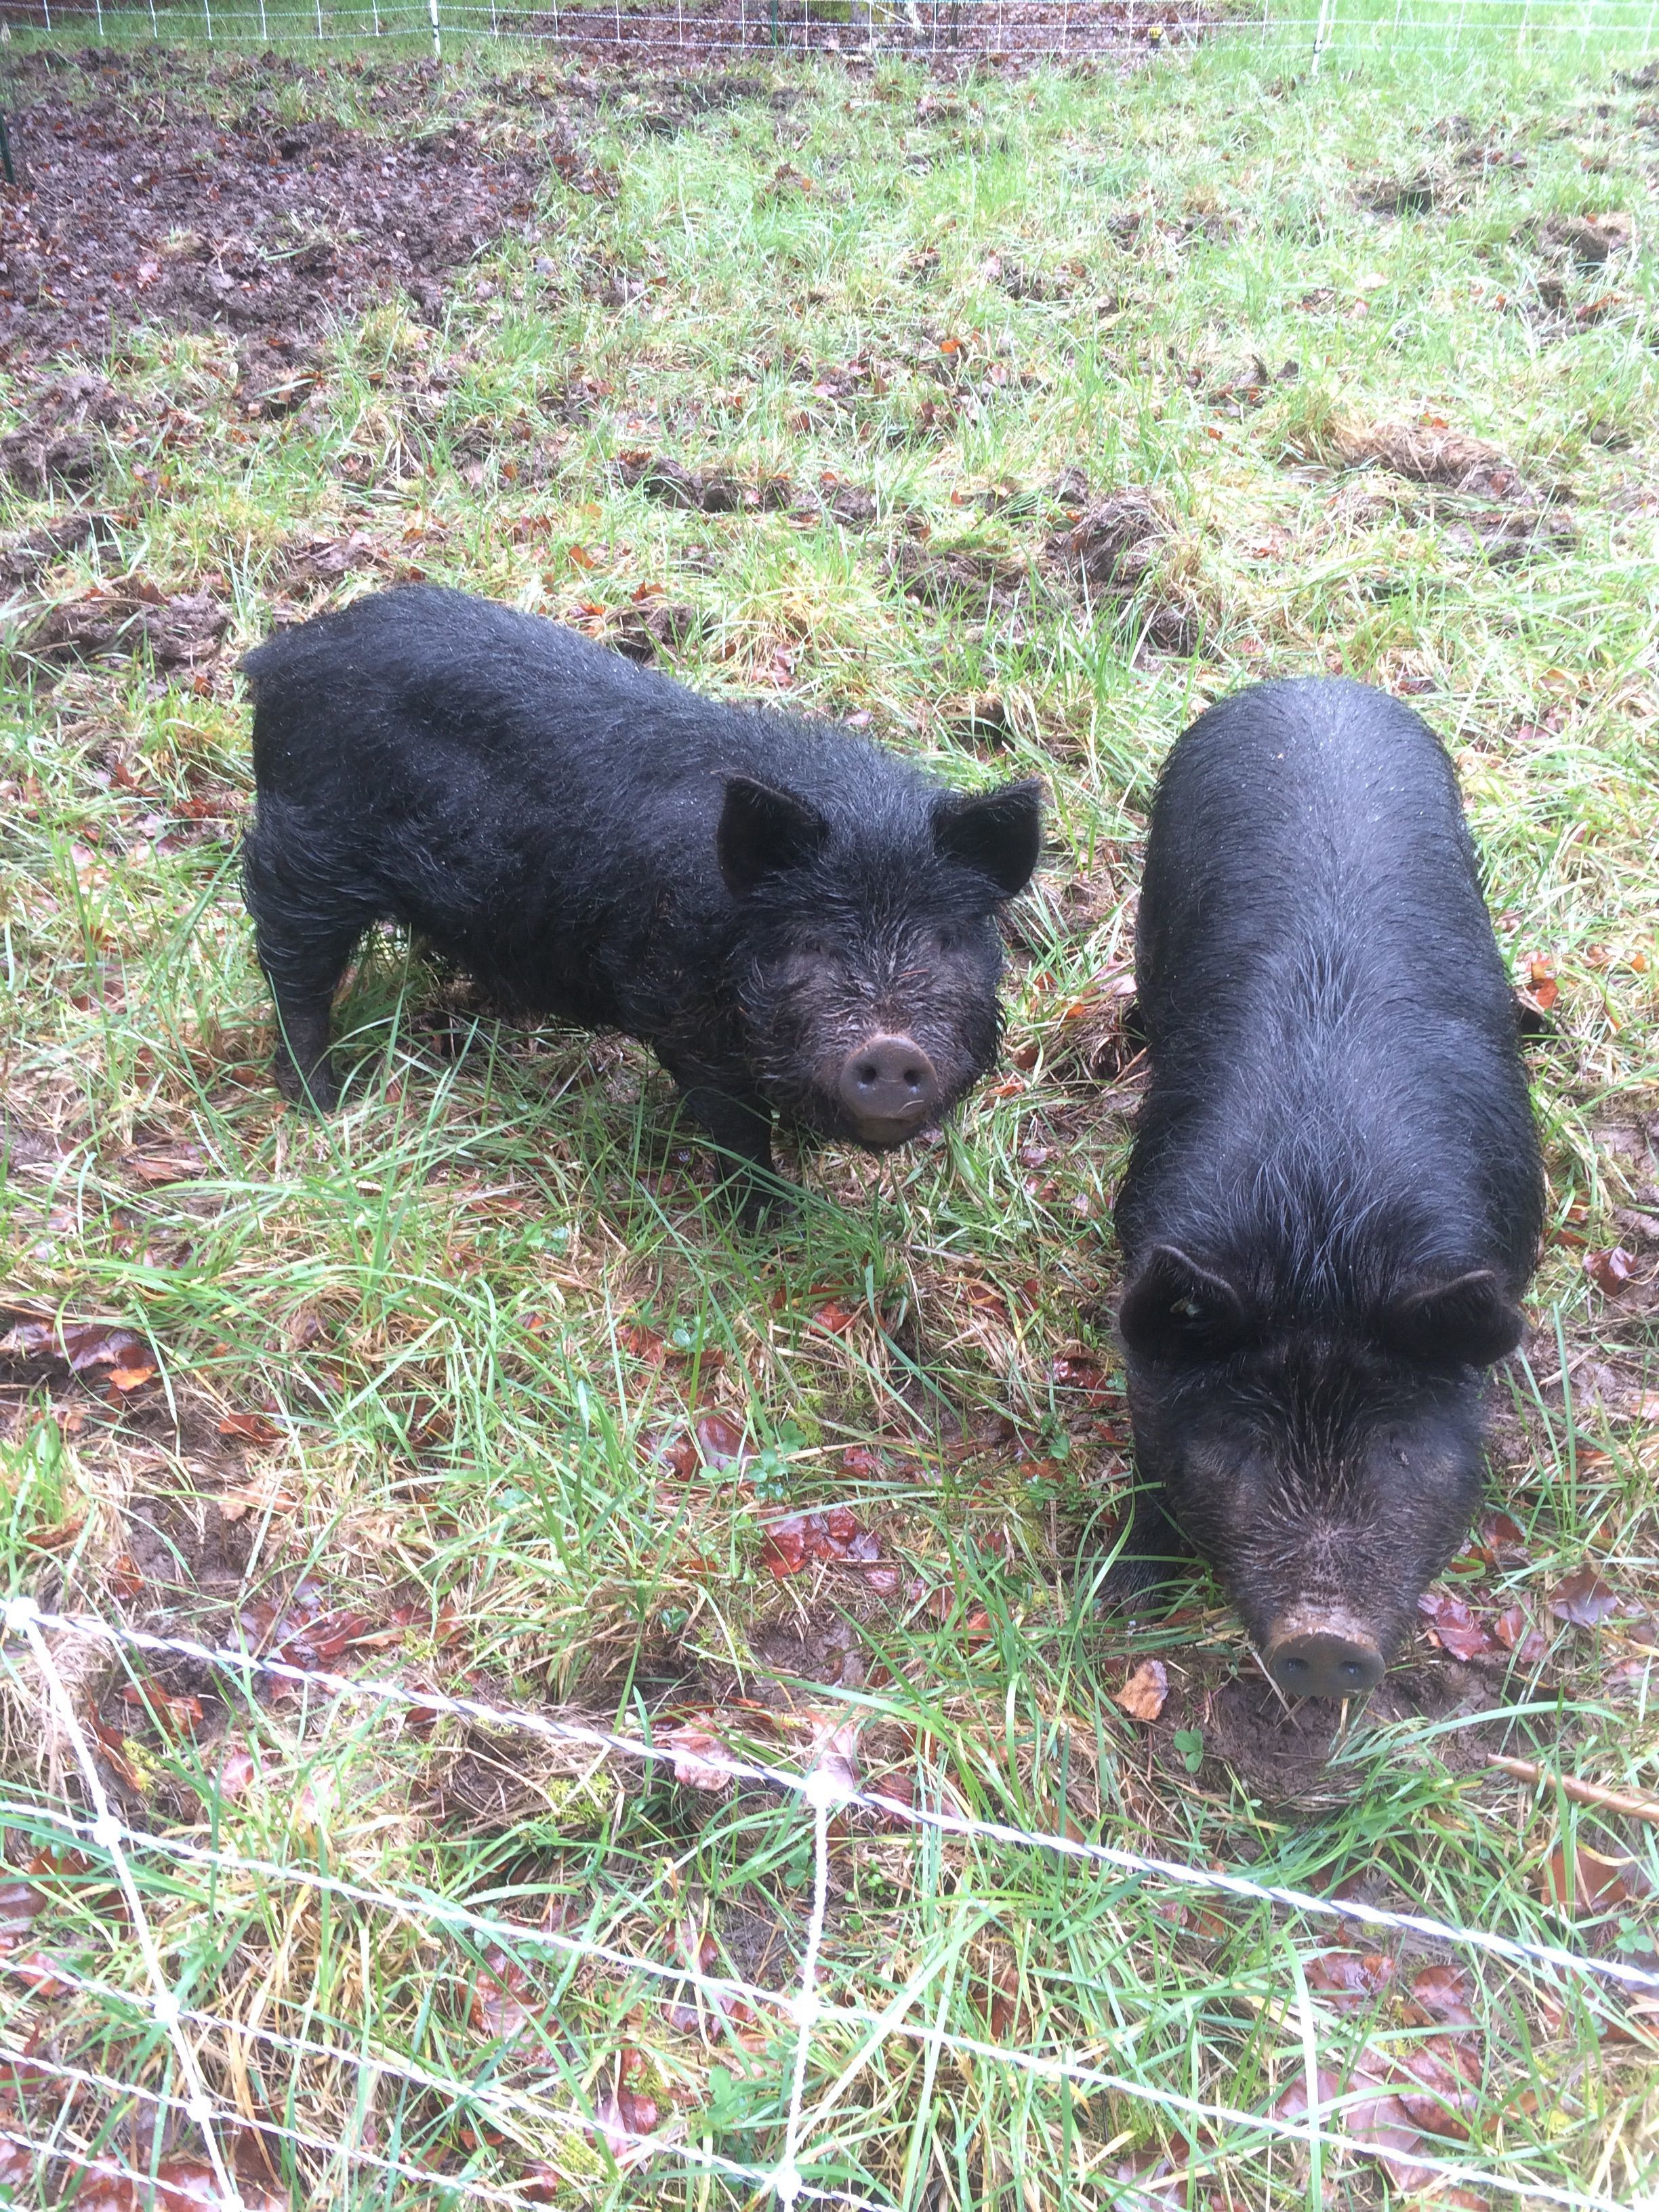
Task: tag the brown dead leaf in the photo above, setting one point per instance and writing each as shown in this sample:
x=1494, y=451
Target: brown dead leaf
x=1438, y=1996
x=696, y=1756
x=173, y=1715
x=1611, y=1272
x=1584, y=1883
x=1350, y=1979
x=1454, y=1627
x=1584, y=1599
x=1143, y=1695
x=154, y=1164
x=721, y=1440
x=250, y=1429
x=789, y=1545
x=1502, y=1541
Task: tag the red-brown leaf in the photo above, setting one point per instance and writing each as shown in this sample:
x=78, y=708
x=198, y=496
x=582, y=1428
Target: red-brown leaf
x=1347, y=1979
x=1439, y=1995
x=173, y=1715
x=38, y=1973
x=834, y=1317
x=720, y=1441
x=643, y=1343
x=250, y=1429
x=833, y=1537
x=498, y=1991
x=1584, y=1883
x=237, y=1772
x=1454, y=1627
x=1514, y=1630
x=1077, y=1371
x=1502, y=1541
x=19, y=1903
x=1610, y=1271
x=696, y=1753
x=1143, y=1695
x=1584, y=1599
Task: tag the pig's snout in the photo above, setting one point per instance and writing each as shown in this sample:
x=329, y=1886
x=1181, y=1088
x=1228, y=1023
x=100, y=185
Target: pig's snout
x=1322, y=1663
x=889, y=1087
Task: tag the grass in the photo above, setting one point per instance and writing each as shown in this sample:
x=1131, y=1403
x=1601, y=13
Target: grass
x=458, y=1332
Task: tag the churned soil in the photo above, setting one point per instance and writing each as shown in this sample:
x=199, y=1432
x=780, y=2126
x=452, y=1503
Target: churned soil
x=139, y=207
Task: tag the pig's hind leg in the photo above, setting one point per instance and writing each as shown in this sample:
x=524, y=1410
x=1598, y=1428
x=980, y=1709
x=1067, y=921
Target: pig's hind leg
x=304, y=938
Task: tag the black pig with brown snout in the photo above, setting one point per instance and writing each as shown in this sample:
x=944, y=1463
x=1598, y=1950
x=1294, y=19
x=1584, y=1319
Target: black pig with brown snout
x=793, y=920
x=1334, y=1201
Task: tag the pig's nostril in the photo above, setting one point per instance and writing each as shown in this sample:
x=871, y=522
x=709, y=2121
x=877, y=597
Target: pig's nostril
x=1323, y=1665
x=889, y=1079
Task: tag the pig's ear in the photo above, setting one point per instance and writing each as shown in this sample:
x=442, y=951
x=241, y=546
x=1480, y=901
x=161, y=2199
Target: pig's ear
x=1173, y=1308
x=1470, y=1320
x=999, y=833
x=762, y=832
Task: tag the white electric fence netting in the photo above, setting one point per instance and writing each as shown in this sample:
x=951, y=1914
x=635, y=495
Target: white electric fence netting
x=943, y=30
x=825, y=1790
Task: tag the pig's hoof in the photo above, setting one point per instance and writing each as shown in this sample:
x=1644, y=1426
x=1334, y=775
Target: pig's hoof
x=317, y=1093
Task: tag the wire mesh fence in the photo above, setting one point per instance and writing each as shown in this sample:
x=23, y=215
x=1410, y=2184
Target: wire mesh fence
x=118, y=2067
x=961, y=32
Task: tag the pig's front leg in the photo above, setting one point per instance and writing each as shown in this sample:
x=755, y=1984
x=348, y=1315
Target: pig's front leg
x=739, y=1122
x=1154, y=1556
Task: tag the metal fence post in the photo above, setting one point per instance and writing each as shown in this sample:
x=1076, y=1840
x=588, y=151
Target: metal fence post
x=1322, y=30
x=437, y=33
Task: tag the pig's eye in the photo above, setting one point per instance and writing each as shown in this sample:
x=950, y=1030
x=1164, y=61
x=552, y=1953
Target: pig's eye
x=815, y=948
x=1189, y=1309
x=945, y=940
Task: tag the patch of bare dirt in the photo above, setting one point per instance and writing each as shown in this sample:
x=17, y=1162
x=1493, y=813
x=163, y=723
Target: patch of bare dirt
x=1284, y=1752
x=141, y=208
x=707, y=491
x=1114, y=553
x=962, y=579
x=29, y=553
x=132, y=616
x=1430, y=453
x=61, y=446
x=1505, y=536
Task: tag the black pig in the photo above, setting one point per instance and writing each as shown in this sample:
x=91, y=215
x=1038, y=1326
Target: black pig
x=790, y=917
x=1334, y=1201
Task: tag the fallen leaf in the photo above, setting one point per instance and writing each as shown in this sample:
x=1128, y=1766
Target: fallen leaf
x=1515, y=1631
x=697, y=1754
x=156, y=1165
x=1587, y=1882
x=1454, y=1627
x=834, y=1318
x=237, y=1772
x=1347, y=1979
x=835, y=1536
x=190, y=2185
x=1584, y=1599
x=36, y=1972
x=1439, y=1995
x=173, y=1715
x=250, y=1429
x=1541, y=983
x=1143, y=1695
x=1502, y=1541
x=497, y=2005
x=643, y=1343
x=1610, y=1271
x=720, y=1441
x=19, y=1903
x=1077, y=1371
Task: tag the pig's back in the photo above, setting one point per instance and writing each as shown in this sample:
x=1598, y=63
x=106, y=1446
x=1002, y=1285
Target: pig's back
x=420, y=691
x=1331, y=1031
